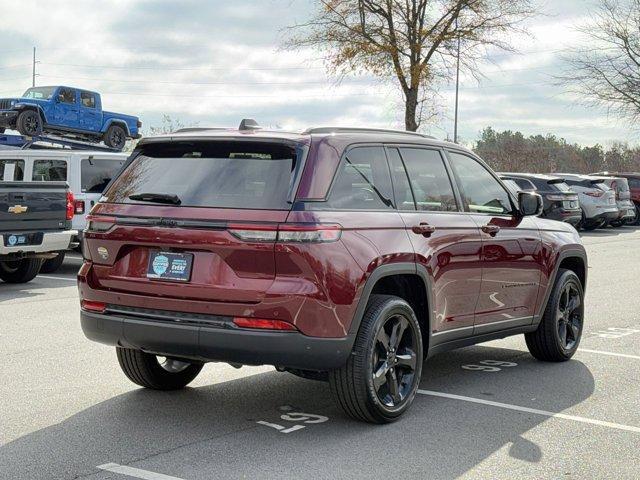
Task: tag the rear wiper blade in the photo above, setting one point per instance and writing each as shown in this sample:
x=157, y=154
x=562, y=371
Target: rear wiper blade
x=156, y=198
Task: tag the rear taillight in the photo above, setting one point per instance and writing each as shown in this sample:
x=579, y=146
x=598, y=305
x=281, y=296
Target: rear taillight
x=556, y=198
x=70, y=206
x=79, y=207
x=99, y=223
x=287, y=232
x=90, y=306
x=263, y=324
x=594, y=193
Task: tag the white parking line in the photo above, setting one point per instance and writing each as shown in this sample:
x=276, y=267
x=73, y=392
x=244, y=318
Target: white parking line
x=617, y=426
x=48, y=277
x=611, y=354
x=135, y=472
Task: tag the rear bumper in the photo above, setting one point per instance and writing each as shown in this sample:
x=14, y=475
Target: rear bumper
x=224, y=342
x=51, y=242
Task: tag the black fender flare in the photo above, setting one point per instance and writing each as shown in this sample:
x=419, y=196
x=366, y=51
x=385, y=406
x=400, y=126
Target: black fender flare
x=388, y=270
x=119, y=123
x=21, y=107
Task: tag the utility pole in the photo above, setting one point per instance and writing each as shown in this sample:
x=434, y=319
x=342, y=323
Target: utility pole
x=33, y=77
x=455, y=123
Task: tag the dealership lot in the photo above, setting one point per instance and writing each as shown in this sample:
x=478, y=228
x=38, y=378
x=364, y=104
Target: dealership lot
x=488, y=411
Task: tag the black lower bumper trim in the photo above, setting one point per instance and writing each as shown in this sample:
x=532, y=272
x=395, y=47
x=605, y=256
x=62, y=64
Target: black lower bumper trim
x=210, y=344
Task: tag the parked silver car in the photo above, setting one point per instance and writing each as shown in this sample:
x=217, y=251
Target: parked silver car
x=623, y=198
x=597, y=200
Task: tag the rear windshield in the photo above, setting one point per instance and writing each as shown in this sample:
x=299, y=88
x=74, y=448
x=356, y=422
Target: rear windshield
x=248, y=175
x=562, y=186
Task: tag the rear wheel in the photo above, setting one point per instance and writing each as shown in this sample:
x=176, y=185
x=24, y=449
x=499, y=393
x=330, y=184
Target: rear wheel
x=115, y=137
x=381, y=377
x=20, y=271
x=560, y=330
x=53, y=264
x=29, y=123
x=616, y=223
x=157, y=373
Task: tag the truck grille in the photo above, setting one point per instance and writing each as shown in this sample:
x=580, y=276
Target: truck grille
x=5, y=104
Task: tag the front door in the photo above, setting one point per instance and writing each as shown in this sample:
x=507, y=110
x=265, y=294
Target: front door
x=66, y=108
x=446, y=240
x=511, y=260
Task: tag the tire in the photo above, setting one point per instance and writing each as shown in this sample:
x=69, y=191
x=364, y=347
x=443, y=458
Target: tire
x=147, y=371
x=636, y=221
x=53, y=264
x=116, y=137
x=589, y=226
x=616, y=223
x=20, y=271
x=29, y=123
x=546, y=343
x=353, y=386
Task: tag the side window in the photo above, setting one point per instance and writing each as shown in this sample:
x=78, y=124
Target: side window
x=95, y=174
x=88, y=99
x=524, y=184
x=481, y=191
x=363, y=181
x=429, y=180
x=67, y=95
x=49, y=170
x=12, y=170
x=401, y=187
x=634, y=183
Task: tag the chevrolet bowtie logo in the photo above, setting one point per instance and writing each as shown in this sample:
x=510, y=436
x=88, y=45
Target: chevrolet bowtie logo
x=18, y=209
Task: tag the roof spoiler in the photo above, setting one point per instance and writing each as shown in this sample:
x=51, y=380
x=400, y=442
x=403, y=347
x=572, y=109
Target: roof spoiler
x=555, y=181
x=596, y=181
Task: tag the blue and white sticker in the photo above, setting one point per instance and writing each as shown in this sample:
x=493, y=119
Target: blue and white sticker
x=12, y=240
x=160, y=265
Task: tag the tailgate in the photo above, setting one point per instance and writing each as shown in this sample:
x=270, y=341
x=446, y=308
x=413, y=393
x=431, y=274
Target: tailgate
x=30, y=206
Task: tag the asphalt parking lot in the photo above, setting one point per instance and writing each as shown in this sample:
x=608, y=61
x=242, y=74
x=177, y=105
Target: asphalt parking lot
x=489, y=411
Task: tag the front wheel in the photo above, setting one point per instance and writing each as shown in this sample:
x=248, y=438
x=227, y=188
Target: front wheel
x=157, y=373
x=115, y=137
x=560, y=330
x=20, y=271
x=29, y=123
x=381, y=377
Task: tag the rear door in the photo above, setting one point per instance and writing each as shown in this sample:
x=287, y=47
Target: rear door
x=90, y=118
x=215, y=205
x=446, y=241
x=511, y=248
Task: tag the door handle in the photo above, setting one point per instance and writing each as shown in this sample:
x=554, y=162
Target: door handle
x=491, y=229
x=423, y=229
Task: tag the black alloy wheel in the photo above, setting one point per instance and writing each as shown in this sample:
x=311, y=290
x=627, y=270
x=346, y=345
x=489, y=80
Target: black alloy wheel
x=569, y=314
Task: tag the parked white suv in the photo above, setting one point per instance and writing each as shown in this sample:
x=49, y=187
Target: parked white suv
x=86, y=172
x=598, y=201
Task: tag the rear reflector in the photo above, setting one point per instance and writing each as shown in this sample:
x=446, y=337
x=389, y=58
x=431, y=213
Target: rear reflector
x=90, y=306
x=79, y=207
x=263, y=324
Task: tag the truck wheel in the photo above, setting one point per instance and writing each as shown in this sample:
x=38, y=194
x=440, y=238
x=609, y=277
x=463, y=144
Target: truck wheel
x=20, y=271
x=381, y=377
x=29, y=123
x=53, y=264
x=157, y=373
x=558, y=335
x=115, y=137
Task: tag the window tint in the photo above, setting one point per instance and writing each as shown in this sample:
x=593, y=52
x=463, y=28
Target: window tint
x=88, y=99
x=363, y=181
x=211, y=174
x=67, y=95
x=429, y=180
x=401, y=187
x=481, y=191
x=12, y=170
x=49, y=170
x=95, y=174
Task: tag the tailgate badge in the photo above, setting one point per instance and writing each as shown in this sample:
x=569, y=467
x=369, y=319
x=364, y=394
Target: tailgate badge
x=103, y=252
x=18, y=209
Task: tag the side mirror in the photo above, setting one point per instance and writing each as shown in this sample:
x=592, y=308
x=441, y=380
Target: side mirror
x=530, y=204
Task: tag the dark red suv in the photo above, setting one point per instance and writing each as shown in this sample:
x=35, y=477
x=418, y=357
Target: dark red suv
x=348, y=255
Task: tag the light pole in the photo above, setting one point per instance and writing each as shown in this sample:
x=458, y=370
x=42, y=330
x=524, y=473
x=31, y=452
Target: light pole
x=455, y=123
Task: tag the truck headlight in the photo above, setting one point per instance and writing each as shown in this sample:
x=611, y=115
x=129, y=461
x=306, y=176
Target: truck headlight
x=13, y=103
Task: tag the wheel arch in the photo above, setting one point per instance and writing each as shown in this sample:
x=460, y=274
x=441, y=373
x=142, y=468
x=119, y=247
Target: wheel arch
x=120, y=123
x=408, y=281
x=36, y=108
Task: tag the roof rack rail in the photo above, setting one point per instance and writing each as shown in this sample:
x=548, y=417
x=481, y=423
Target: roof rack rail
x=364, y=130
x=198, y=129
x=20, y=142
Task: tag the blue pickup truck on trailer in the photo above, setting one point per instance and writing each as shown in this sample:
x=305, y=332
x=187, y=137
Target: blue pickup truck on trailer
x=69, y=112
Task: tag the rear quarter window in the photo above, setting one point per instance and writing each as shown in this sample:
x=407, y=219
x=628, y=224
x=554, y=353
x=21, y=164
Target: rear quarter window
x=12, y=170
x=95, y=173
x=222, y=174
x=49, y=170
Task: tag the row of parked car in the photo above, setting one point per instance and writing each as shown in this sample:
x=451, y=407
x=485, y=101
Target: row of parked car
x=585, y=201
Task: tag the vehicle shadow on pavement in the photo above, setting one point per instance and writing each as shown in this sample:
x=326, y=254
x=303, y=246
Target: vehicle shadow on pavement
x=211, y=431
x=610, y=231
x=20, y=291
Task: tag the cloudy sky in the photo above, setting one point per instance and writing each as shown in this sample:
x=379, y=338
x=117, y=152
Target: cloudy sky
x=213, y=62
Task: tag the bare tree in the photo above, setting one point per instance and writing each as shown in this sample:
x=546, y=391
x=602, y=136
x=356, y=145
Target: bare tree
x=414, y=41
x=606, y=72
